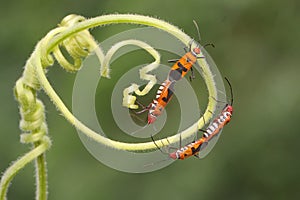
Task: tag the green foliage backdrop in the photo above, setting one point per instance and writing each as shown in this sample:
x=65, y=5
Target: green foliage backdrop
x=257, y=45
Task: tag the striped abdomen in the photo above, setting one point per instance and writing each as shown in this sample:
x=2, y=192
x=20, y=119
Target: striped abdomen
x=218, y=123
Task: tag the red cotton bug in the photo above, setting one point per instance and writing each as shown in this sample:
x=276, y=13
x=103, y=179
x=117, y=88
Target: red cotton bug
x=223, y=119
x=179, y=70
x=191, y=149
x=186, y=62
x=194, y=148
x=163, y=96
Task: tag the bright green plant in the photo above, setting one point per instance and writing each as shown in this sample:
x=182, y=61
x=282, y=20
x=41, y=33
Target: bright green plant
x=72, y=34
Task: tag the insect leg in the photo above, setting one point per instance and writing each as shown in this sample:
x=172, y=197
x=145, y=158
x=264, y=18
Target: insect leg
x=141, y=111
x=170, y=147
x=144, y=108
x=157, y=145
x=202, y=130
x=140, y=104
x=173, y=60
x=197, y=155
x=192, y=76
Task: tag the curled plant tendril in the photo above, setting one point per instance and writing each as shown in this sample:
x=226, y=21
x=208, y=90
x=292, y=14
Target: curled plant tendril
x=72, y=34
x=32, y=111
x=128, y=99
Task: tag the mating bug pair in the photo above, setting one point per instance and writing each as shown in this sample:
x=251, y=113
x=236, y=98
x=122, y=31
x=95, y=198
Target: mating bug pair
x=195, y=147
x=165, y=93
x=181, y=67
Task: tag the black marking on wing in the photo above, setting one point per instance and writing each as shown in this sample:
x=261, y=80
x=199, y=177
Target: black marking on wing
x=170, y=93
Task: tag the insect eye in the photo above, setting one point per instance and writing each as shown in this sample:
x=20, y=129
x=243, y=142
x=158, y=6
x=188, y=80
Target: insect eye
x=227, y=114
x=196, y=50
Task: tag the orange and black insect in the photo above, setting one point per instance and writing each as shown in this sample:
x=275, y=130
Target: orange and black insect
x=186, y=62
x=194, y=148
x=191, y=149
x=179, y=70
x=223, y=119
x=163, y=96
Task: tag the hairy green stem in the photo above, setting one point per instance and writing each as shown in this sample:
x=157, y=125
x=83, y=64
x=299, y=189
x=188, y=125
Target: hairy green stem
x=9, y=174
x=73, y=35
x=41, y=176
x=132, y=19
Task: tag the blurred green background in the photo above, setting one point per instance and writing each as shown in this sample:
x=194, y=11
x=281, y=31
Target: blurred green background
x=257, y=46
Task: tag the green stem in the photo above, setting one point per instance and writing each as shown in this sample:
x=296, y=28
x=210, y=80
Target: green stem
x=41, y=177
x=34, y=125
x=21, y=163
x=73, y=35
x=133, y=19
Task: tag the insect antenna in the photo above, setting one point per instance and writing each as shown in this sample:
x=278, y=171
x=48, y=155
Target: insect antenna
x=231, y=92
x=209, y=44
x=157, y=145
x=165, y=153
x=197, y=28
x=157, y=162
x=198, y=32
x=134, y=132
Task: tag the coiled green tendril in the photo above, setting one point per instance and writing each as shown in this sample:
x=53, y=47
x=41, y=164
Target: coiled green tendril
x=73, y=36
